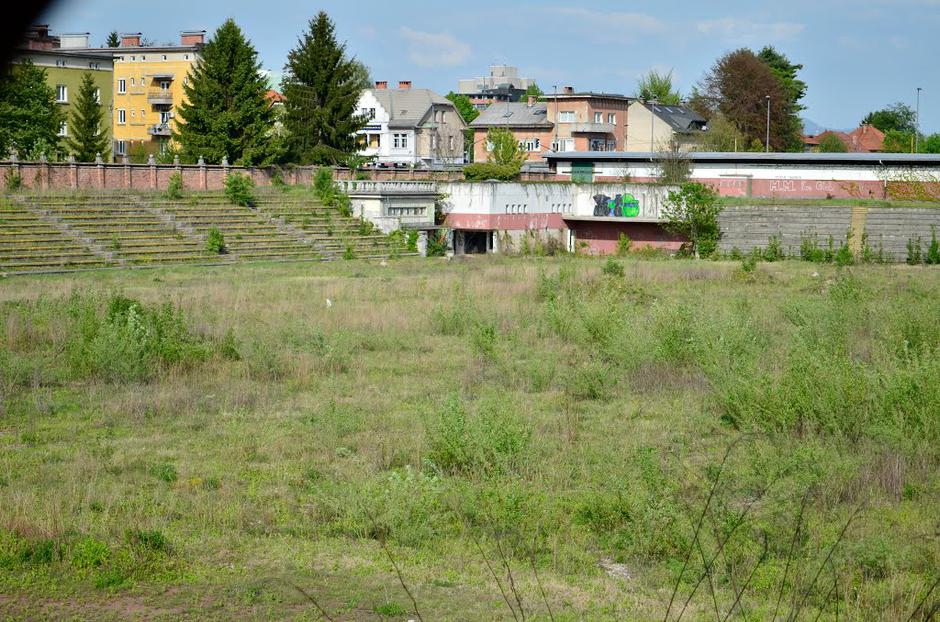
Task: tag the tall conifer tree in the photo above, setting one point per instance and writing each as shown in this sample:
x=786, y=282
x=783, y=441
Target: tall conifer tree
x=321, y=87
x=87, y=137
x=29, y=116
x=226, y=113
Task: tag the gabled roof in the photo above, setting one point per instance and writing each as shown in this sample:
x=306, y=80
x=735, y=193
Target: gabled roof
x=513, y=114
x=679, y=118
x=406, y=108
x=867, y=138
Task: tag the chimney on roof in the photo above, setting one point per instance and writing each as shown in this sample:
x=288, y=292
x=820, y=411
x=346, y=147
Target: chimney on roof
x=381, y=84
x=404, y=84
x=130, y=39
x=192, y=37
x=531, y=100
x=569, y=90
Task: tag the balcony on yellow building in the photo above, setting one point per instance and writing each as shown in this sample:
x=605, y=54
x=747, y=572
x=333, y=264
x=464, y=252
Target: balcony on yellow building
x=160, y=129
x=160, y=97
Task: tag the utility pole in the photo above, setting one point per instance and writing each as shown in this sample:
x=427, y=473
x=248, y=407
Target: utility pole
x=555, y=91
x=652, y=123
x=917, y=123
x=767, y=139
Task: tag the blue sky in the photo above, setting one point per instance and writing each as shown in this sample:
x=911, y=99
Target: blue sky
x=859, y=55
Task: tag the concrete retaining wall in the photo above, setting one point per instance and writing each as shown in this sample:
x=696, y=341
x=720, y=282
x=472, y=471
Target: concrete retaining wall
x=890, y=228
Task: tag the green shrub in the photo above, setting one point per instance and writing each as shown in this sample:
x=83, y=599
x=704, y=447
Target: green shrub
x=613, y=268
x=215, y=241
x=152, y=541
x=623, y=244
x=349, y=253
x=88, y=553
x=12, y=180
x=749, y=263
x=437, y=243
x=174, y=187
x=164, y=471
x=489, y=441
x=914, y=252
x=128, y=341
x=933, y=251
x=774, y=250
x=391, y=609
x=485, y=171
x=483, y=339
x=240, y=189
x=412, y=243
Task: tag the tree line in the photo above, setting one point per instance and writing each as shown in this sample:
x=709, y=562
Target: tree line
x=226, y=113
x=735, y=94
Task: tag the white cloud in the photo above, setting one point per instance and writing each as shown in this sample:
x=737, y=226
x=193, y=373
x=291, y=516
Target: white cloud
x=434, y=49
x=613, y=21
x=744, y=31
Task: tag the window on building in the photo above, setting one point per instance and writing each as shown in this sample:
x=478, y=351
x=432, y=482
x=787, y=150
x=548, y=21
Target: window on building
x=433, y=141
x=451, y=143
x=531, y=144
x=122, y=116
x=133, y=58
x=120, y=148
x=566, y=116
x=143, y=81
x=611, y=118
x=611, y=145
x=142, y=113
x=563, y=144
x=63, y=129
x=132, y=81
x=598, y=117
x=164, y=117
x=98, y=96
x=164, y=85
x=133, y=113
x=400, y=141
x=61, y=93
x=164, y=57
x=122, y=86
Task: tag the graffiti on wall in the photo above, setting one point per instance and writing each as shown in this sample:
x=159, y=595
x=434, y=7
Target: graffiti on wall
x=621, y=206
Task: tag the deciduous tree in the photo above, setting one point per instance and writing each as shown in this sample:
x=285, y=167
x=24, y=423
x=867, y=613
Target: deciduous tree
x=504, y=148
x=532, y=90
x=692, y=212
x=655, y=86
x=321, y=87
x=830, y=143
x=899, y=116
x=793, y=88
x=738, y=86
x=468, y=113
x=87, y=136
x=226, y=113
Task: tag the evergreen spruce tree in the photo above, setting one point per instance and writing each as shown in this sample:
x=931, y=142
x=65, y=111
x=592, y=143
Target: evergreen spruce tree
x=113, y=40
x=29, y=116
x=87, y=137
x=226, y=113
x=321, y=87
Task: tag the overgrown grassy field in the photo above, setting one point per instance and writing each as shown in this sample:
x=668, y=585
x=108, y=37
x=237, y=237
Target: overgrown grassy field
x=489, y=439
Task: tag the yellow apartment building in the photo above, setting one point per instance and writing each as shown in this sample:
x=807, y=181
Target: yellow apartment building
x=148, y=88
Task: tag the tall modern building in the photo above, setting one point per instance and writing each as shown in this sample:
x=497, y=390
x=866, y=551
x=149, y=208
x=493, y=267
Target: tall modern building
x=502, y=85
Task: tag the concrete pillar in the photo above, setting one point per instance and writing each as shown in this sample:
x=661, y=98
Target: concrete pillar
x=203, y=177
x=73, y=172
x=127, y=171
x=153, y=171
x=100, y=166
x=43, y=172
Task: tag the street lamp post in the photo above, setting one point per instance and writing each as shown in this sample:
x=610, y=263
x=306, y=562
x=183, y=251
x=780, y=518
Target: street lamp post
x=767, y=138
x=917, y=123
x=652, y=123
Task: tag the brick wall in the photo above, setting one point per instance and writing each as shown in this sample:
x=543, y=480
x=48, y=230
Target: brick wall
x=143, y=177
